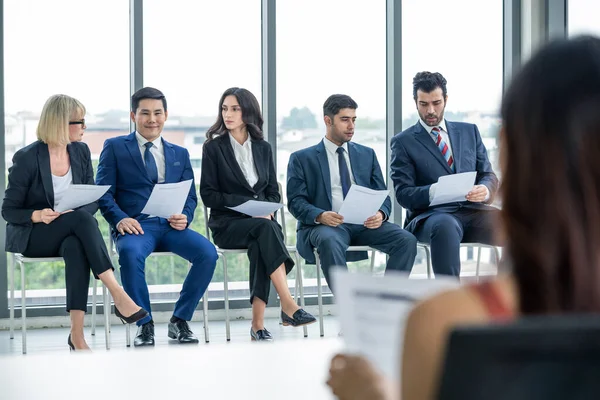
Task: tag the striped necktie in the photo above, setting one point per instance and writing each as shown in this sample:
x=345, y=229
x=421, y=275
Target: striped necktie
x=443, y=146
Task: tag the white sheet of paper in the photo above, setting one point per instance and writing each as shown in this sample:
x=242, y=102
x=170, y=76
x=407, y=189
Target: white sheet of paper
x=255, y=208
x=80, y=195
x=451, y=188
x=373, y=312
x=361, y=203
x=167, y=199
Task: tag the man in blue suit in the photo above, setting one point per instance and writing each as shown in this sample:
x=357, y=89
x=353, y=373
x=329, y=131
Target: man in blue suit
x=319, y=178
x=132, y=165
x=432, y=148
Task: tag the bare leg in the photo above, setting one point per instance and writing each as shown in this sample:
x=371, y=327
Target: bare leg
x=77, y=336
x=258, y=314
x=122, y=300
x=279, y=278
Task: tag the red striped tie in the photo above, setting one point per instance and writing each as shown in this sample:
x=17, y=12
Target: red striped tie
x=443, y=146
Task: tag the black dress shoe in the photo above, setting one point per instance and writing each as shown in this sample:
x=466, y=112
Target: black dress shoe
x=299, y=318
x=135, y=317
x=262, y=335
x=145, y=335
x=181, y=331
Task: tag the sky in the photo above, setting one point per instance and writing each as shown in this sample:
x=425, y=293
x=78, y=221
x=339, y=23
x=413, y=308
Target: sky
x=195, y=49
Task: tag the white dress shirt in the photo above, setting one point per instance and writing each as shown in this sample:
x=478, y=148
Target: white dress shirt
x=244, y=158
x=157, y=151
x=60, y=184
x=443, y=132
x=337, y=195
x=446, y=138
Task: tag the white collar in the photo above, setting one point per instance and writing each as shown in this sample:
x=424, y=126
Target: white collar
x=429, y=128
x=332, y=147
x=142, y=141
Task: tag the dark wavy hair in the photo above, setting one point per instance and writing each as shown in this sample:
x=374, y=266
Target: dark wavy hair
x=250, y=114
x=551, y=178
x=427, y=82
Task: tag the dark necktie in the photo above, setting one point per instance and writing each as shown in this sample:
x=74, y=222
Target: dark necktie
x=344, y=173
x=150, y=163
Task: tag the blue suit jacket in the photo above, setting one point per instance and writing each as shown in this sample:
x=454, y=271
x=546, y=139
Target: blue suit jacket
x=309, y=188
x=417, y=163
x=121, y=166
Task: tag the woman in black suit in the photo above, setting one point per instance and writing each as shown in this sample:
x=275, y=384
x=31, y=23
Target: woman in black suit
x=237, y=165
x=37, y=180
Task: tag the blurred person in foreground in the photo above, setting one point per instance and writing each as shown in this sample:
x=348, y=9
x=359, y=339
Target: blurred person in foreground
x=37, y=181
x=550, y=162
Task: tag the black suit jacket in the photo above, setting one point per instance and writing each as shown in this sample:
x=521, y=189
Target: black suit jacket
x=223, y=183
x=30, y=188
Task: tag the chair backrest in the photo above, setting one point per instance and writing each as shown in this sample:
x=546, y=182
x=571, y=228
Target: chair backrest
x=281, y=214
x=534, y=358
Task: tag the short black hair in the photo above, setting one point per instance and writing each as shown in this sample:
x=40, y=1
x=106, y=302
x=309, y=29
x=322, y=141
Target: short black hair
x=147, y=93
x=429, y=81
x=336, y=102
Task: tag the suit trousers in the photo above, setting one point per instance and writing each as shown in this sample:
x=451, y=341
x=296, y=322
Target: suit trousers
x=159, y=236
x=75, y=237
x=332, y=243
x=266, y=250
x=445, y=231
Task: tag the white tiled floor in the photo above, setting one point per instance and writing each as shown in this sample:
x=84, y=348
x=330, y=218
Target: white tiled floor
x=49, y=340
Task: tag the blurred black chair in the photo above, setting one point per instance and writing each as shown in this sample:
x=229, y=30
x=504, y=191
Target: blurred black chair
x=532, y=358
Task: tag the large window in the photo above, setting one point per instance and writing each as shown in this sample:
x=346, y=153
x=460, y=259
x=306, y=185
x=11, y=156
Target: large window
x=327, y=47
x=73, y=47
x=194, y=51
x=462, y=40
x=583, y=17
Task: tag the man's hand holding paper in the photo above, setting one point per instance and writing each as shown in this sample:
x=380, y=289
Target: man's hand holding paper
x=361, y=206
x=167, y=199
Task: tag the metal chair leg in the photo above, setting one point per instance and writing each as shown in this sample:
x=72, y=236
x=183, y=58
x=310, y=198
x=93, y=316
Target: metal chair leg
x=497, y=254
x=12, y=296
x=128, y=335
x=372, y=261
x=428, y=258
x=478, y=263
x=226, y=297
x=319, y=293
x=23, y=308
x=106, y=310
x=94, y=288
x=300, y=286
x=205, y=315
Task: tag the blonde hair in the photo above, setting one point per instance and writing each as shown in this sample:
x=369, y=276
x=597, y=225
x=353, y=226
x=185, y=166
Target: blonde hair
x=53, y=128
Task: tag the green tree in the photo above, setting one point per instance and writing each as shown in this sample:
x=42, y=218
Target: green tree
x=299, y=118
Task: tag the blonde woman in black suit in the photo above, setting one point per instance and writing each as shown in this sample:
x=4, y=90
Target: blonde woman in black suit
x=237, y=165
x=37, y=180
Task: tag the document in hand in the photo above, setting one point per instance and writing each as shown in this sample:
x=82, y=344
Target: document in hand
x=255, y=208
x=373, y=312
x=361, y=203
x=80, y=195
x=451, y=188
x=167, y=199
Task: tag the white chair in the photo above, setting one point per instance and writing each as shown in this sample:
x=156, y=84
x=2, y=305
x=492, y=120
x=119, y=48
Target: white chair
x=17, y=258
x=495, y=249
x=223, y=256
x=320, y=289
x=113, y=252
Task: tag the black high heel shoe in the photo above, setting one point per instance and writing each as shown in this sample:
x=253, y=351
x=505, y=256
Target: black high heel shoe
x=71, y=345
x=135, y=317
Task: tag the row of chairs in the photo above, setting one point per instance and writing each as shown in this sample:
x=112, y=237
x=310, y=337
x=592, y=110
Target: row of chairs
x=21, y=261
